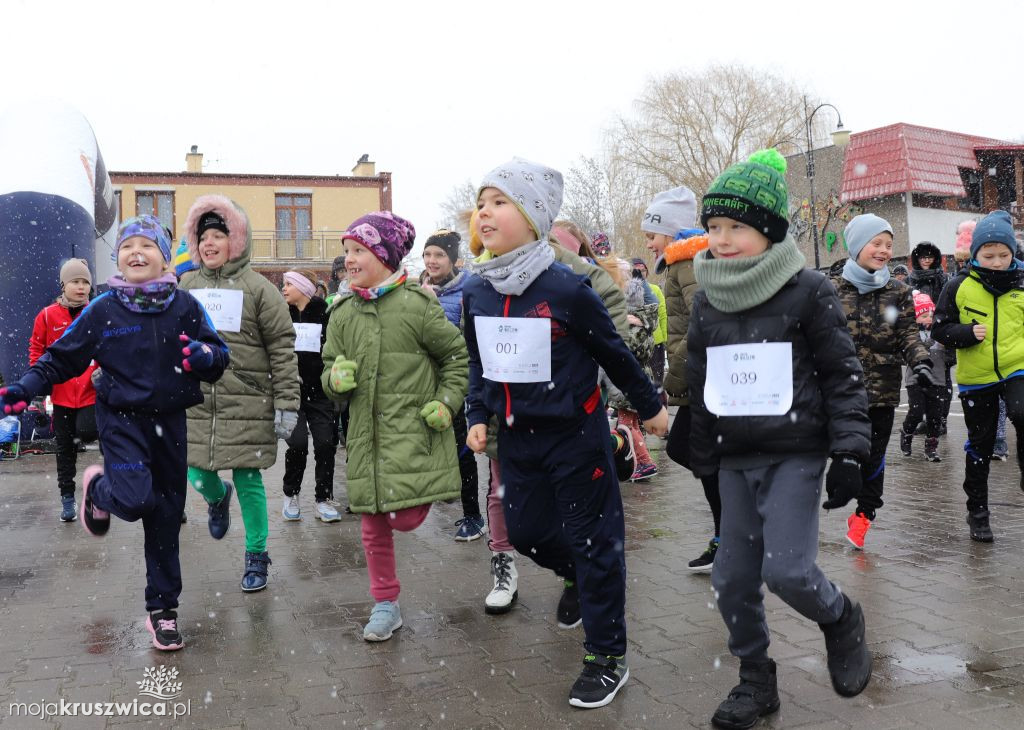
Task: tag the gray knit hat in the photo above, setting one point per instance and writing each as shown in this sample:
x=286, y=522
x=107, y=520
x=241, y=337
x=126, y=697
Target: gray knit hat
x=861, y=229
x=535, y=189
x=671, y=211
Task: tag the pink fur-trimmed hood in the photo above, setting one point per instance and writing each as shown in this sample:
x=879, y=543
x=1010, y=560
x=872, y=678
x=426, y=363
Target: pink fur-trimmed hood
x=234, y=217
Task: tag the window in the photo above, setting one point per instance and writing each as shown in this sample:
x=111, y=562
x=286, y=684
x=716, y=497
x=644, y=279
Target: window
x=159, y=204
x=117, y=205
x=294, y=219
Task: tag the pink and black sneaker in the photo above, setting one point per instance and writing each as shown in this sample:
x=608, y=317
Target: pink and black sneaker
x=644, y=471
x=95, y=521
x=163, y=625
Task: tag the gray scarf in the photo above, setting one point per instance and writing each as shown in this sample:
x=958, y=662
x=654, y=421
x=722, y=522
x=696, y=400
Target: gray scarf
x=736, y=285
x=513, y=272
x=865, y=281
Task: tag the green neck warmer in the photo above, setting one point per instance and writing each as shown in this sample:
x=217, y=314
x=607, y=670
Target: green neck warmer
x=735, y=285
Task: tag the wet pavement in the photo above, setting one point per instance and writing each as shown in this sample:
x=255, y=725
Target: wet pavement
x=945, y=618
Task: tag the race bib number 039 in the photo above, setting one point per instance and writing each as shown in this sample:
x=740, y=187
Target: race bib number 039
x=224, y=307
x=515, y=349
x=750, y=380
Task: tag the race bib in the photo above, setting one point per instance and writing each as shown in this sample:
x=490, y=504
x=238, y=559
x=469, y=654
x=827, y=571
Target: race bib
x=750, y=380
x=307, y=337
x=515, y=349
x=224, y=307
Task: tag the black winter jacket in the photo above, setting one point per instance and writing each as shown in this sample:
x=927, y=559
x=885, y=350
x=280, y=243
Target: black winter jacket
x=311, y=365
x=931, y=280
x=829, y=413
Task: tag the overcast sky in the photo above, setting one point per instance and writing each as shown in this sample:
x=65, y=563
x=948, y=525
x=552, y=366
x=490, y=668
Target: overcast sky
x=438, y=92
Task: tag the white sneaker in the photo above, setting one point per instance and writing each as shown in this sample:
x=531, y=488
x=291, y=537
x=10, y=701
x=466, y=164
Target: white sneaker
x=506, y=584
x=290, y=511
x=326, y=512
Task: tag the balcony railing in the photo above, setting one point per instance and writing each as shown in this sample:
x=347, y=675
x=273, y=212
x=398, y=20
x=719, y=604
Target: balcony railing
x=321, y=246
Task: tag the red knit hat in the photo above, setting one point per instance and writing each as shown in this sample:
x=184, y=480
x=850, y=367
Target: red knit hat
x=922, y=303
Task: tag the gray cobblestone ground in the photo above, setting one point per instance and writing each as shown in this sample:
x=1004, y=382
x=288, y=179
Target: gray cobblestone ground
x=945, y=618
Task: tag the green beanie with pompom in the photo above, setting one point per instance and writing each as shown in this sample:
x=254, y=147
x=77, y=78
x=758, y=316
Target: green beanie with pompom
x=752, y=192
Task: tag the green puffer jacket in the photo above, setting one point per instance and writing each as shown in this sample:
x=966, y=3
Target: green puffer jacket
x=233, y=428
x=680, y=287
x=407, y=354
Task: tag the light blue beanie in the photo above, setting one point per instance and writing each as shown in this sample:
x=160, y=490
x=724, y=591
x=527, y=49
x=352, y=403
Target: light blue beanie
x=861, y=229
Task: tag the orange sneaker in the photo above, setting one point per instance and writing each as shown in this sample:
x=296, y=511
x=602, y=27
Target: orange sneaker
x=859, y=526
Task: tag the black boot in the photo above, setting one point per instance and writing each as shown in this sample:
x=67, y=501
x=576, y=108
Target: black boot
x=981, y=531
x=849, y=662
x=755, y=696
x=931, y=445
x=906, y=439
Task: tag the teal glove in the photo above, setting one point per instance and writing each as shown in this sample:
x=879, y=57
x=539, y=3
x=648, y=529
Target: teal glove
x=437, y=415
x=343, y=375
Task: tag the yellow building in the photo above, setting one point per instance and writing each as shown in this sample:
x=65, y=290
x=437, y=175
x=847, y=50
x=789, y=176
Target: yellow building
x=296, y=220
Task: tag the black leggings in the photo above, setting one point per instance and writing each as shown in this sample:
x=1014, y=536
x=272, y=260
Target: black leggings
x=71, y=426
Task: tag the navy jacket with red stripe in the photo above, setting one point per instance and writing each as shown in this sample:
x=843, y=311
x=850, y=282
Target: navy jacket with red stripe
x=582, y=337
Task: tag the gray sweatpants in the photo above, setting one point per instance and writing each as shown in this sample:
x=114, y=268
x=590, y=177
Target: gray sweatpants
x=770, y=535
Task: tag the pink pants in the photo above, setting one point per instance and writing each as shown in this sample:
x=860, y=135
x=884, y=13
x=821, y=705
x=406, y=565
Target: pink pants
x=379, y=547
x=631, y=420
x=496, y=513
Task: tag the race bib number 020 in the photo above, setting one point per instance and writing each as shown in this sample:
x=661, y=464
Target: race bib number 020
x=224, y=307
x=755, y=379
x=515, y=349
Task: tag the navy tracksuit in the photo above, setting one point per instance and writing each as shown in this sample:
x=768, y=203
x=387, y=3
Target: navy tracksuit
x=141, y=399
x=562, y=502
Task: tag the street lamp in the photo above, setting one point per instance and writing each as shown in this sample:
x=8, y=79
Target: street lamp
x=810, y=169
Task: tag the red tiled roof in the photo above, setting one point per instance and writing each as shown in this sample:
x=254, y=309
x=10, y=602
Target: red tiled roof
x=902, y=158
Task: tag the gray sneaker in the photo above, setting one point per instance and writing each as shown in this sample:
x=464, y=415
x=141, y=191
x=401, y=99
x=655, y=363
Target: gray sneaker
x=385, y=618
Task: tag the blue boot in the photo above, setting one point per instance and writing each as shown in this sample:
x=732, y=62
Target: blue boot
x=220, y=516
x=255, y=576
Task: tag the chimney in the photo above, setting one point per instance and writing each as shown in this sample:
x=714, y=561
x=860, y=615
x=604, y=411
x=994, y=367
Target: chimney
x=841, y=137
x=194, y=160
x=364, y=167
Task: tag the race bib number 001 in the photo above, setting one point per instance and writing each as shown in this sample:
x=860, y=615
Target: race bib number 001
x=515, y=349
x=750, y=380
x=224, y=307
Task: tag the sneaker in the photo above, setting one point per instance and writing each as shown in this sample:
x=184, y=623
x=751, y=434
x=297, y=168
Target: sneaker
x=95, y=521
x=506, y=584
x=906, y=441
x=756, y=696
x=385, y=619
x=707, y=558
x=220, y=514
x=68, y=508
x=1000, y=451
x=255, y=576
x=163, y=625
x=858, y=526
x=470, y=529
x=981, y=531
x=601, y=679
x=625, y=456
x=644, y=472
x=326, y=513
x=931, y=445
x=849, y=662
x=290, y=509
x=569, y=607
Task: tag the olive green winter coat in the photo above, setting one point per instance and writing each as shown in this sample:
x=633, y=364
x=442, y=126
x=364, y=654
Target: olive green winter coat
x=680, y=287
x=233, y=428
x=407, y=354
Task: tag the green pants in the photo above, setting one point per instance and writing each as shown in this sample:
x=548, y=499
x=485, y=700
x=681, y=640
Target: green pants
x=252, y=500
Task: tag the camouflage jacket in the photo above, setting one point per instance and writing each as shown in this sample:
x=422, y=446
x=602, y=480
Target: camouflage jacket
x=885, y=333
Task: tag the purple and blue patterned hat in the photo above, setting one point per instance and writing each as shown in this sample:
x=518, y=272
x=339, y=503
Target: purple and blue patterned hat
x=385, y=235
x=149, y=227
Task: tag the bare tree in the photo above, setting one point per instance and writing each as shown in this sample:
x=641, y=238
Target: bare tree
x=687, y=128
x=461, y=198
x=587, y=200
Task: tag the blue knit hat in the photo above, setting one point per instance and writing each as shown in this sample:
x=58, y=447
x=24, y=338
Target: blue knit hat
x=994, y=228
x=149, y=227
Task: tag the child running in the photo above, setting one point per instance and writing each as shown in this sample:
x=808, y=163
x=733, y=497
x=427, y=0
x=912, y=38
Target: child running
x=880, y=315
x=154, y=344
x=536, y=333
x=237, y=426
x=400, y=366
x=981, y=314
x=775, y=387
x=317, y=415
x=74, y=412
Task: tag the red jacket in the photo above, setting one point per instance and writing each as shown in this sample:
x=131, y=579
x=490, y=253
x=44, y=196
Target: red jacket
x=49, y=326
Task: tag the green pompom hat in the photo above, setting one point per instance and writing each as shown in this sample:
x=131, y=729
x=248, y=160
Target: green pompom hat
x=752, y=192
